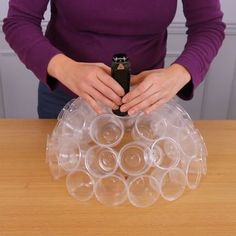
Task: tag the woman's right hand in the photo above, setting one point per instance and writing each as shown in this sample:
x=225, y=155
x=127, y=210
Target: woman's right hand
x=91, y=81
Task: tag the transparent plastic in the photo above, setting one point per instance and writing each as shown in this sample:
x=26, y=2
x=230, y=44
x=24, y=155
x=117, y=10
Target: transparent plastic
x=143, y=191
x=148, y=128
x=165, y=153
x=111, y=190
x=194, y=172
x=101, y=161
x=136, y=158
x=52, y=159
x=69, y=154
x=107, y=130
x=80, y=185
x=172, y=182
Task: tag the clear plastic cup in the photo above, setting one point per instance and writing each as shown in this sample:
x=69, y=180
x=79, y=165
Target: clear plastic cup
x=100, y=161
x=73, y=122
x=66, y=108
x=143, y=191
x=88, y=113
x=51, y=158
x=165, y=153
x=172, y=182
x=176, y=118
x=185, y=117
x=75, y=116
x=202, y=150
x=80, y=185
x=111, y=190
x=203, y=155
x=49, y=146
x=175, y=125
x=59, y=131
x=148, y=128
x=167, y=111
x=173, y=114
x=172, y=131
x=66, y=127
x=188, y=141
x=128, y=121
x=194, y=173
x=69, y=154
x=107, y=130
x=134, y=158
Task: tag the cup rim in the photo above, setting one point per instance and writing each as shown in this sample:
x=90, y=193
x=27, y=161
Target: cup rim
x=157, y=187
x=87, y=174
x=161, y=184
x=79, y=155
x=174, y=165
x=90, y=169
x=148, y=140
x=199, y=174
x=148, y=162
x=124, y=193
x=112, y=117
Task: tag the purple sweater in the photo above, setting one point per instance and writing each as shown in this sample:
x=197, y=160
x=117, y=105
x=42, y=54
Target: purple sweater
x=92, y=31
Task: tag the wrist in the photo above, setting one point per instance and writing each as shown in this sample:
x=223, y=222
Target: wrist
x=181, y=72
x=57, y=65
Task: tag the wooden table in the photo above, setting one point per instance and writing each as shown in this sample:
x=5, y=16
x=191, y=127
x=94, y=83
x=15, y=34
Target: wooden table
x=31, y=203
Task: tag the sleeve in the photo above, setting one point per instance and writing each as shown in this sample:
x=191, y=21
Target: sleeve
x=205, y=35
x=23, y=32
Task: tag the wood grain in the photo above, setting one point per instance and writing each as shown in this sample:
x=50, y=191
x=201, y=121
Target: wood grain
x=31, y=203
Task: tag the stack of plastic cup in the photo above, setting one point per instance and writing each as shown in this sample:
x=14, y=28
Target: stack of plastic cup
x=135, y=159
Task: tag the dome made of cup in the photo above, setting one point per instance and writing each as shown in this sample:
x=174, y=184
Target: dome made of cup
x=136, y=158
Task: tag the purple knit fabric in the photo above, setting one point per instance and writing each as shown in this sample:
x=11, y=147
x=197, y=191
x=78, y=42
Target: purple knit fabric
x=92, y=31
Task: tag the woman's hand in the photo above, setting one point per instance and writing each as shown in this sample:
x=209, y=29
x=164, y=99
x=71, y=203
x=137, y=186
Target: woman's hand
x=154, y=88
x=91, y=81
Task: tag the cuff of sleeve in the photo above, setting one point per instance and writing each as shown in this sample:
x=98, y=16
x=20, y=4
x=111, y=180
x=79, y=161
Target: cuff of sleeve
x=187, y=92
x=51, y=82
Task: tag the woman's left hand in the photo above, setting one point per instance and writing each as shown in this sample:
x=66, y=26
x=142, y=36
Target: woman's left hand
x=154, y=88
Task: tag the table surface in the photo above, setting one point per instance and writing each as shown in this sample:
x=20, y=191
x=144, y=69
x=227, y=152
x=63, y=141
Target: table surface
x=32, y=203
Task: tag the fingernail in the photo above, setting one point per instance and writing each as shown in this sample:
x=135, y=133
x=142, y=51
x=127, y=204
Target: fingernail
x=123, y=93
x=122, y=108
x=118, y=101
x=124, y=99
x=115, y=107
